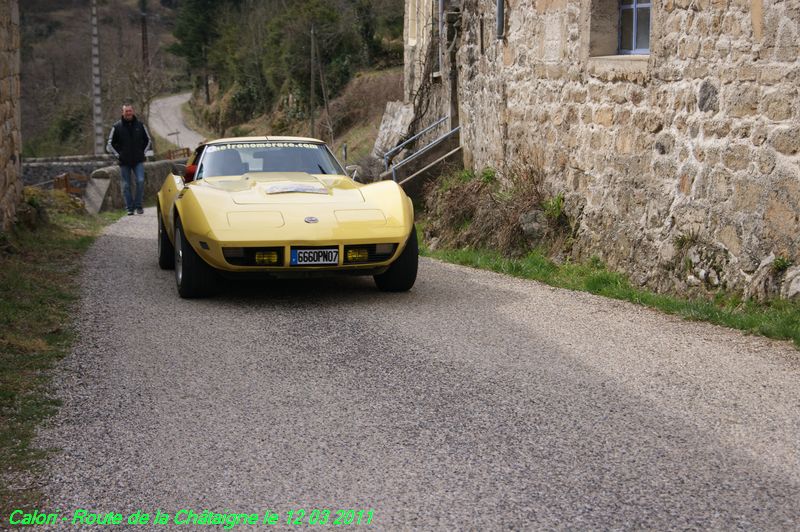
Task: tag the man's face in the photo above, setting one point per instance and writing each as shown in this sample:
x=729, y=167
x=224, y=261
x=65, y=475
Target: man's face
x=127, y=112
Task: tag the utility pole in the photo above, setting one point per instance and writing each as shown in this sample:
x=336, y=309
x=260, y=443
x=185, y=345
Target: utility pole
x=145, y=48
x=97, y=108
x=311, y=86
x=324, y=91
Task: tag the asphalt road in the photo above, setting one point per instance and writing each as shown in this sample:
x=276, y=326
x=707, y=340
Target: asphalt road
x=475, y=401
x=166, y=118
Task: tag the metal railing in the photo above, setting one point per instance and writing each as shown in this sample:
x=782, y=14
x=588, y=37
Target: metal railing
x=422, y=151
x=397, y=149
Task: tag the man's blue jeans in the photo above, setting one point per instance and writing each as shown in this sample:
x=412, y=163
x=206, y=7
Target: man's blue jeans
x=125, y=174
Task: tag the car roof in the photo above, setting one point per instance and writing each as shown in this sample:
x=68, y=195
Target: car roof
x=264, y=138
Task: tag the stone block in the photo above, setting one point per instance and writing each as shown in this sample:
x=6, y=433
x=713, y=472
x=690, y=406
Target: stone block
x=741, y=131
x=618, y=93
x=598, y=140
x=780, y=223
x=625, y=142
x=717, y=128
x=664, y=143
x=622, y=117
x=708, y=97
x=774, y=74
x=790, y=289
x=731, y=25
x=665, y=169
x=648, y=121
x=729, y=237
x=747, y=195
x=686, y=177
x=765, y=160
x=777, y=105
x=786, y=48
x=736, y=157
x=759, y=135
x=719, y=184
x=696, y=71
x=636, y=95
x=743, y=100
x=604, y=116
x=786, y=140
x=577, y=95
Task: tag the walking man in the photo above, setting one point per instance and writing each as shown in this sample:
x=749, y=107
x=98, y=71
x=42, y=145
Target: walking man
x=128, y=142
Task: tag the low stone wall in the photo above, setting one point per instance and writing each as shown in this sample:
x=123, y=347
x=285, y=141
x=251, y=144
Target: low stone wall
x=10, y=142
x=154, y=175
x=41, y=171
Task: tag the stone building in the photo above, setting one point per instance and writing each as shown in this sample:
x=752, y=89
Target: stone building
x=672, y=128
x=10, y=143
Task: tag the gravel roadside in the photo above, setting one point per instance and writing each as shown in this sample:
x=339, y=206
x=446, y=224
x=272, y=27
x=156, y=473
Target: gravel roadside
x=474, y=401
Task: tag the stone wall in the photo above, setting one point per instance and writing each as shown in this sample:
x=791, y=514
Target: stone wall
x=154, y=175
x=10, y=142
x=680, y=167
x=41, y=171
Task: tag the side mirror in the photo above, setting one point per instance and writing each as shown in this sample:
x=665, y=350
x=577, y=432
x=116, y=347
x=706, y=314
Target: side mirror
x=354, y=171
x=188, y=173
x=178, y=169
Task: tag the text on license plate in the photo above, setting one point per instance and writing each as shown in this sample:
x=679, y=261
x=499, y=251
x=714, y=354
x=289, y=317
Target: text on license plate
x=302, y=257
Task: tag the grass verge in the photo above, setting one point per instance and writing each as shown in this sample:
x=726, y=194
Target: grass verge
x=38, y=291
x=163, y=145
x=778, y=319
x=193, y=123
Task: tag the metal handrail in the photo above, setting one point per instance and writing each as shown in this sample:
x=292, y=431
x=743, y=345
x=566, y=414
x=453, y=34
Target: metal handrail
x=421, y=151
x=399, y=147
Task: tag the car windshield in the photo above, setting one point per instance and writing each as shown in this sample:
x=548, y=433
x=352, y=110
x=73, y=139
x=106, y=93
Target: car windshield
x=237, y=158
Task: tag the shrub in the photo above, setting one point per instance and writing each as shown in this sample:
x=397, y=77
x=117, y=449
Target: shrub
x=781, y=264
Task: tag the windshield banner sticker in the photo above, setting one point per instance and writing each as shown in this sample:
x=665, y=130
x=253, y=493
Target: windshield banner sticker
x=246, y=145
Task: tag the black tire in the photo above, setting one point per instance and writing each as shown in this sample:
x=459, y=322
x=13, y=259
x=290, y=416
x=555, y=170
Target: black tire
x=402, y=273
x=193, y=277
x=166, y=251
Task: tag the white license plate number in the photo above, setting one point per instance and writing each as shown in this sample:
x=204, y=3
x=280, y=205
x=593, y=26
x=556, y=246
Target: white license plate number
x=314, y=257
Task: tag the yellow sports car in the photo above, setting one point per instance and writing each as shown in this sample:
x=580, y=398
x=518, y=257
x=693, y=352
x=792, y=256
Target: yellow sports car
x=281, y=207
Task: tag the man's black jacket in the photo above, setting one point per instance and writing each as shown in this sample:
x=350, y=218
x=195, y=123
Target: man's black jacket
x=128, y=141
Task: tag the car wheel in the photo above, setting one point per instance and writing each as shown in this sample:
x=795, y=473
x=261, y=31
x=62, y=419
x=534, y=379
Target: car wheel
x=166, y=251
x=402, y=273
x=193, y=276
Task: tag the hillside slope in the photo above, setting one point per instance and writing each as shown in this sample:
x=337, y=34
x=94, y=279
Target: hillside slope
x=354, y=117
x=56, y=74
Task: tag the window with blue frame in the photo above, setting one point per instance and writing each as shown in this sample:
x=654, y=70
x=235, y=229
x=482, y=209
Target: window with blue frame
x=634, y=27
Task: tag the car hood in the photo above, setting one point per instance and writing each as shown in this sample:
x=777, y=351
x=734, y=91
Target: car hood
x=265, y=188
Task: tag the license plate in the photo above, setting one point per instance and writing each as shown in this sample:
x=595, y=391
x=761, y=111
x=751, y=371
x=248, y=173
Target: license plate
x=314, y=257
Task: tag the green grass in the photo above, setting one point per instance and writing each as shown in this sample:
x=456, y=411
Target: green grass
x=777, y=319
x=38, y=291
x=162, y=145
x=193, y=123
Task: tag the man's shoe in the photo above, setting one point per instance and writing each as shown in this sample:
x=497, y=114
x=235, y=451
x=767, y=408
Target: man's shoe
x=139, y=211
x=130, y=213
